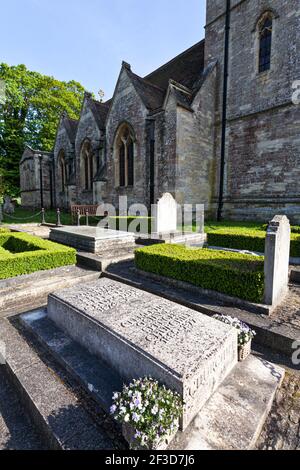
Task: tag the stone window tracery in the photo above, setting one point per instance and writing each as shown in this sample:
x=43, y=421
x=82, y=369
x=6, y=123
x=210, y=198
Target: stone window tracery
x=124, y=156
x=87, y=166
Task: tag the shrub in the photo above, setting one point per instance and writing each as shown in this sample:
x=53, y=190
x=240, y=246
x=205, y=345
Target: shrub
x=21, y=253
x=115, y=223
x=4, y=230
x=246, y=239
x=235, y=274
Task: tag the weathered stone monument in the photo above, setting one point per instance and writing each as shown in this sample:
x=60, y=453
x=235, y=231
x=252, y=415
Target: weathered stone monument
x=277, y=252
x=92, y=239
x=139, y=334
x=164, y=215
x=8, y=206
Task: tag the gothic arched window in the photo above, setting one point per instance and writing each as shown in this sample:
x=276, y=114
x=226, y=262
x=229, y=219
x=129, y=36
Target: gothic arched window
x=62, y=171
x=265, y=43
x=122, y=165
x=124, y=156
x=87, y=166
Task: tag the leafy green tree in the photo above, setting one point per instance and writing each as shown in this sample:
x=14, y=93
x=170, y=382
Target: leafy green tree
x=29, y=114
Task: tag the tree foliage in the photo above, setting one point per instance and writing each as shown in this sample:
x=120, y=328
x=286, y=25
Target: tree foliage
x=30, y=114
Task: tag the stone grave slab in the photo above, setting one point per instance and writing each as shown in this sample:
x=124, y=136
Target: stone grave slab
x=92, y=239
x=139, y=334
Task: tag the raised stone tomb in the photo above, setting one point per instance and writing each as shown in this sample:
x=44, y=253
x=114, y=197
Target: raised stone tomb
x=139, y=334
x=92, y=239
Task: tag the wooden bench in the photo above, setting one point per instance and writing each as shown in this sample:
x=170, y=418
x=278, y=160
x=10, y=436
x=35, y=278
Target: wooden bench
x=82, y=210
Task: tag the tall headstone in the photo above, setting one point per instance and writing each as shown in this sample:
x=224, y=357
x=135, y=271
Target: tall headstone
x=277, y=254
x=164, y=214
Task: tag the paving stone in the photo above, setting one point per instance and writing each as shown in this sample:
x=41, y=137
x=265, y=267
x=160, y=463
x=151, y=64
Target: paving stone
x=29, y=291
x=97, y=378
x=55, y=409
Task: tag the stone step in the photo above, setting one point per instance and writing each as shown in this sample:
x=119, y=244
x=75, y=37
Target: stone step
x=57, y=411
x=99, y=380
x=30, y=291
x=17, y=432
x=234, y=416
x=99, y=262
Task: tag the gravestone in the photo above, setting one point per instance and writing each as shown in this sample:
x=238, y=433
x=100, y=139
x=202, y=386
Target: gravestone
x=140, y=334
x=277, y=253
x=164, y=214
x=8, y=206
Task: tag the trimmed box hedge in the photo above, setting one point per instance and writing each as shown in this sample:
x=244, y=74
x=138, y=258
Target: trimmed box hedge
x=21, y=253
x=235, y=274
x=246, y=239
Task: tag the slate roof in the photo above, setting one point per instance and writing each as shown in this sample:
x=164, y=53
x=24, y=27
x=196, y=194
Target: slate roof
x=71, y=126
x=152, y=95
x=185, y=68
x=100, y=111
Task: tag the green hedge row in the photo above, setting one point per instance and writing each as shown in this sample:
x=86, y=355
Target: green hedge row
x=141, y=224
x=21, y=253
x=234, y=274
x=242, y=239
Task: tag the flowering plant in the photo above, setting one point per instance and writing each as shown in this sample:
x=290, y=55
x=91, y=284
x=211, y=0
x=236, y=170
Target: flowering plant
x=245, y=334
x=151, y=409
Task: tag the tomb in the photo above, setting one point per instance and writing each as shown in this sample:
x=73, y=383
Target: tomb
x=139, y=334
x=92, y=239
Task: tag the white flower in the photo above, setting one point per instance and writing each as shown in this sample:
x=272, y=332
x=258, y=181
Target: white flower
x=126, y=418
x=154, y=410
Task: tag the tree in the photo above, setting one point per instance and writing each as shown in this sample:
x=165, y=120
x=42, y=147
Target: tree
x=30, y=113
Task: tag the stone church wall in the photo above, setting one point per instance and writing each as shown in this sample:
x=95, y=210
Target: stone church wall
x=195, y=152
x=262, y=154
x=63, y=199
x=127, y=107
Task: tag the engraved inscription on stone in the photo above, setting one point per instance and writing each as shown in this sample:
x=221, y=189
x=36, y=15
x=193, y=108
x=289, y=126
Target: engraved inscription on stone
x=159, y=324
x=101, y=298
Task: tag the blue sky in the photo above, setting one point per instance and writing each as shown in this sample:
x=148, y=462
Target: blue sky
x=87, y=40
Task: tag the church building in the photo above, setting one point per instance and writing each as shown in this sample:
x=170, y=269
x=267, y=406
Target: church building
x=217, y=125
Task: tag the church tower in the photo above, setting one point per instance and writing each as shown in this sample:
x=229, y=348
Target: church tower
x=257, y=125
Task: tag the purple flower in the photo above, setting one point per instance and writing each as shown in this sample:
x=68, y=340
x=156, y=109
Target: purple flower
x=113, y=409
x=135, y=417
